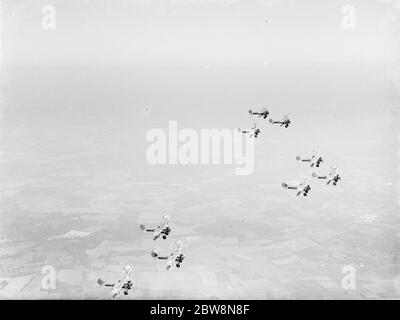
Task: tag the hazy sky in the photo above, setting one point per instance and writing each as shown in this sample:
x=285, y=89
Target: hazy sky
x=183, y=57
x=239, y=32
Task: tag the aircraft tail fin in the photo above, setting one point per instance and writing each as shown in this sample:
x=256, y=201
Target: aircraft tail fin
x=155, y=253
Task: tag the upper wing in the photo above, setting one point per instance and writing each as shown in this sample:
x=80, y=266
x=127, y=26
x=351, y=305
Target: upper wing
x=179, y=243
x=128, y=276
x=156, y=234
x=315, y=153
x=264, y=110
x=302, y=184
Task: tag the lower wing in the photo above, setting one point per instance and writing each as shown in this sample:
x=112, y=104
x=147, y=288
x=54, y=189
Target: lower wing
x=117, y=288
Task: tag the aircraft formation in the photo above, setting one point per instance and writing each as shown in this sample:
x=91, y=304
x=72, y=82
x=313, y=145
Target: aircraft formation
x=264, y=113
x=315, y=160
x=303, y=187
x=163, y=229
x=173, y=259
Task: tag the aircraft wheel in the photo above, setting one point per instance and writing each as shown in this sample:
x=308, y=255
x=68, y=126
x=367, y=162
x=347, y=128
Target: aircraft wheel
x=178, y=265
x=164, y=237
x=126, y=293
x=334, y=183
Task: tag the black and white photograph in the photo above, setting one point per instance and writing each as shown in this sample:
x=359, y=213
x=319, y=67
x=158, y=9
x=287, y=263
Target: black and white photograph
x=172, y=150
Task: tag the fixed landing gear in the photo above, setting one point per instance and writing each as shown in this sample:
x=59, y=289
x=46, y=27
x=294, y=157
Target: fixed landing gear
x=336, y=180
